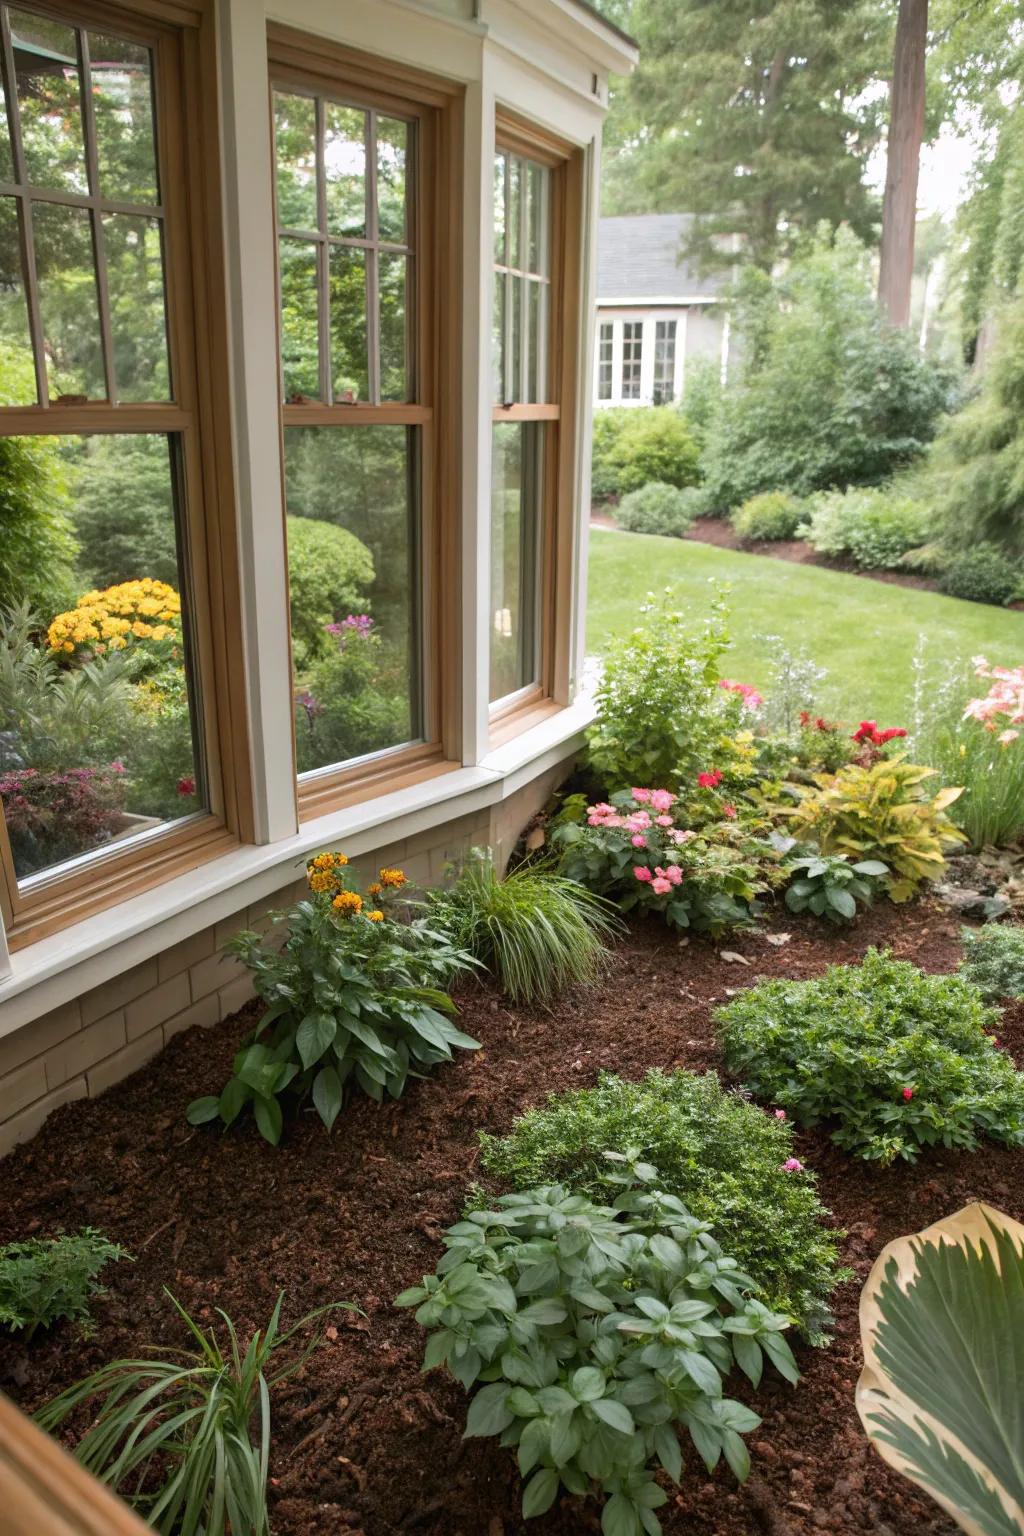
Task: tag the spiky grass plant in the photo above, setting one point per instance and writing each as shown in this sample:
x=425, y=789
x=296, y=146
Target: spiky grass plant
x=173, y=1437
x=537, y=932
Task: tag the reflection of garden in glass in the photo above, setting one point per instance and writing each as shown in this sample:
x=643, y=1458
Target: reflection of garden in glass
x=515, y=481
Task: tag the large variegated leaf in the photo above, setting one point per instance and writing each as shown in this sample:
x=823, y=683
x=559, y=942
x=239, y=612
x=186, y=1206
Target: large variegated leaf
x=941, y=1394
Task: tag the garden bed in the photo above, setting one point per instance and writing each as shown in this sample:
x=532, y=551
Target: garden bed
x=364, y=1445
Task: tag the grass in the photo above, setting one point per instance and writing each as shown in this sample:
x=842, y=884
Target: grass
x=864, y=632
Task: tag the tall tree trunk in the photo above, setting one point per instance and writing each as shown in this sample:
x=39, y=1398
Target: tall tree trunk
x=906, y=130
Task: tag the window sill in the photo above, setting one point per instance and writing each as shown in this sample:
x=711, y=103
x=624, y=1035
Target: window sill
x=59, y=968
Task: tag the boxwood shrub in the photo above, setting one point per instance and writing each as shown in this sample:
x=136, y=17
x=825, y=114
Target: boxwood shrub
x=655, y=508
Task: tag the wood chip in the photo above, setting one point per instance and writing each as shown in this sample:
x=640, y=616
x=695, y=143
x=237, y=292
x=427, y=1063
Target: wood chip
x=732, y=957
x=778, y=939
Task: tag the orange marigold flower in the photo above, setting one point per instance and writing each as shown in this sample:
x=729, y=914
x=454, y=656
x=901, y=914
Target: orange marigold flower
x=376, y=917
x=321, y=880
x=348, y=901
x=393, y=878
x=375, y=889
x=322, y=861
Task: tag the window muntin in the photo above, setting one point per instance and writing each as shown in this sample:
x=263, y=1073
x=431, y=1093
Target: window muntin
x=605, y=360
x=632, y=358
x=664, y=362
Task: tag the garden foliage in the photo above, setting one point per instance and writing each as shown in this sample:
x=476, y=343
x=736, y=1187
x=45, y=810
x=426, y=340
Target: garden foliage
x=356, y=697
x=37, y=542
x=46, y=1280
x=722, y=1156
x=770, y=515
x=831, y=885
x=994, y=960
x=900, y=1059
x=875, y=528
x=329, y=573
x=655, y=508
x=635, y=446
x=597, y=1330
x=983, y=574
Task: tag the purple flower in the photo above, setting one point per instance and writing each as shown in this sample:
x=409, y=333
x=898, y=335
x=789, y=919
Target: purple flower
x=312, y=706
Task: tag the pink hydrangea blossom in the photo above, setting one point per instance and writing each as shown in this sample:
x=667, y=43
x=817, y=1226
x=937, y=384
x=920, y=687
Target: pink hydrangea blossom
x=730, y=811
x=660, y=886
x=679, y=836
x=663, y=821
x=908, y=1094
x=673, y=874
x=662, y=799
x=643, y=874
x=641, y=796
x=792, y=1165
x=780, y=1114
x=638, y=840
x=752, y=700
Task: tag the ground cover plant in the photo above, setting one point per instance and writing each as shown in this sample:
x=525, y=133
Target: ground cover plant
x=900, y=1059
x=994, y=960
x=48, y=1280
x=723, y=1157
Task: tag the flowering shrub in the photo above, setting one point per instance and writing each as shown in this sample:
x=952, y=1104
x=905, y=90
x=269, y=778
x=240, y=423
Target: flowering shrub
x=901, y=1060
x=117, y=617
x=1002, y=708
x=58, y=815
x=355, y=697
x=821, y=743
x=354, y=996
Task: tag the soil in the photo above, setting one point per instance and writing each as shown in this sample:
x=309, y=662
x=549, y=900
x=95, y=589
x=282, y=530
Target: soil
x=364, y=1444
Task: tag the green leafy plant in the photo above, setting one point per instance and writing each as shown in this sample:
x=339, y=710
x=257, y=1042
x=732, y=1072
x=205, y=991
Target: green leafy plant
x=721, y=1155
x=174, y=1436
x=329, y=573
x=45, y=1280
x=596, y=1330
x=941, y=1319
x=901, y=1060
x=887, y=812
x=648, y=444
x=536, y=932
x=994, y=960
x=354, y=997
x=829, y=885
x=771, y=515
x=655, y=508
x=876, y=528
x=983, y=574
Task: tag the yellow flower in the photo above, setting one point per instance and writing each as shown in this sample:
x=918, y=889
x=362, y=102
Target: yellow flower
x=374, y=889
x=321, y=880
x=394, y=878
x=376, y=917
x=322, y=861
x=348, y=901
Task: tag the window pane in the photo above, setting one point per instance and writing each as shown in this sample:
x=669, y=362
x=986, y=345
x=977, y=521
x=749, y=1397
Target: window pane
x=354, y=592
x=500, y=223
x=300, y=334
x=536, y=383
x=392, y=156
x=295, y=130
x=96, y=701
x=135, y=281
x=516, y=481
x=395, y=381
x=122, y=98
x=348, y=324
x=17, y=374
x=515, y=211
x=536, y=225
x=68, y=300
x=345, y=169
x=6, y=153
x=50, y=103
x=501, y=282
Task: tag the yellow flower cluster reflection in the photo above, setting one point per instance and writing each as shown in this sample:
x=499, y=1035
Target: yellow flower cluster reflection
x=116, y=616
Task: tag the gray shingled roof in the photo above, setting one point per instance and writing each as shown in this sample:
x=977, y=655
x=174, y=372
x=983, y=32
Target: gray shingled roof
x=638, y=258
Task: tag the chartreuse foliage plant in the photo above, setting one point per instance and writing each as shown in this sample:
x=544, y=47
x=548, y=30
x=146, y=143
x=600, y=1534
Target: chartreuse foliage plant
x=46, y=1280
x=354, y=998
x=898, y=1059
x=596, y=1331
x=831, y=885
x=536, y=932
x=174, y=1437
x=722, y=1156
x=994, y=960
x=769, y=516
x=942, y=1326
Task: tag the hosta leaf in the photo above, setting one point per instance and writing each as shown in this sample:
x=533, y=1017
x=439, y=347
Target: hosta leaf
x=269, y=1119
x=619, y=1517
x=202, y=1110
x=232, y=1100
x=327, y=1095
x=587, y=1383
x=533, y=1444
x=314, y=1035
x=540, y=1492
x=666, y=1446
x=438, y=1344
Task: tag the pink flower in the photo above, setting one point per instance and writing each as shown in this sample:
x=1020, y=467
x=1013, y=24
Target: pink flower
x=673, y=874
x=638, y=840
x=666, y=821
x=709, y=780
x=780, y=1114
x=678, y=836
x=1005, y=737
x=638, y=821
x=662, y=800
x=730, y=811
x=186, y=785
x=642, y=873
x=908, y=1094
x=792, y=1165
x=641, y=796
x=660, y=886
x=747, y=692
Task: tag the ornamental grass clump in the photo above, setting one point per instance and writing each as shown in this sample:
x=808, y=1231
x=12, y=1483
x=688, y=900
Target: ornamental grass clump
x=355, y=997
x=722, y=1156
x=598, y=1330
x=994, y=960
x=898, y=1060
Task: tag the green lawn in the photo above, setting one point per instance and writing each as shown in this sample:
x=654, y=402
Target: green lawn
x=864, y=632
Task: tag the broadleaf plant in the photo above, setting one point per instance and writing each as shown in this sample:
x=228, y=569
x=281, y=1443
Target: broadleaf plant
x=831, y=885
x=596, y=1331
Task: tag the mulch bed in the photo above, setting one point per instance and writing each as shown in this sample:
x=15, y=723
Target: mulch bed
x=364, y=1445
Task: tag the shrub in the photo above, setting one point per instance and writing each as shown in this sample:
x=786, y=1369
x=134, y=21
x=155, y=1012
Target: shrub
x=329, y=573
x=173, y=1436
x=876, y=528
x=651, y=443
x=822, y=744
x=900, y=1059
x=982, y=575
x=655, y=508
x=716, y=1152
x=53, y=816
x=829, y=885
x=772, y=515
x=883, y=812
x=607, y=426
x=353, y=994
x=45, y=1280
x=536, y=932
x=356, y=698
x=598, y=1329
x=37, y=543
x=994, y=960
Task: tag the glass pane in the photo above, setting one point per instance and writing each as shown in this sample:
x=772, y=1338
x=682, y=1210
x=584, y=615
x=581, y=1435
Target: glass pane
x=50, y=102
x=392, y=159
x=6, y=153
x=96, y=708
x=135, y=281
x=300, y=334
x=536, y=383
x=122, y=101
x=295, y=130
x=536, y=219
x=345, y=170
x=516, y=484
x=395, y=351
x=516, y=385
x=17, y=372
x=515, y=207
x=354, y=590
x=348, y=324
x=68, y=300
x=500, y=171
x=501, y=282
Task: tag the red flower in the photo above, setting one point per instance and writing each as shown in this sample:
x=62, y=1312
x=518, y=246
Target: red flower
x=891, y=734
x=187, y=785
x=805, y=717
x=709, y=780
x=868, y=731
x=908, y=1094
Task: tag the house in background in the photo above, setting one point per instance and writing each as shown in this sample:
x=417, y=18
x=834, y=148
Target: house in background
x=654, y=315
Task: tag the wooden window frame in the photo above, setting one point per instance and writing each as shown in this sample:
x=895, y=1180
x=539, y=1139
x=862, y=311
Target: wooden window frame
x=517, y=712
x=181, y=35
x=315, y=65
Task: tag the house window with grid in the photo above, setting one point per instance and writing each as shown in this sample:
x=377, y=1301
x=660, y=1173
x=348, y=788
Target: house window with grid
x=605, y=354
x=632, y=358
x=664, y=362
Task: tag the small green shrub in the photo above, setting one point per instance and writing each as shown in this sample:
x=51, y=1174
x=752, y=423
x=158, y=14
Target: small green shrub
x=607, y=426
x=598, y=1330
x=829, y=885
x=900, y=1059
x=536, y=932
x=772, y=515
x=45, y=1280
x=651, y=443
x=994, y=960
x=329, y=573
x=173, y=1436
x=356, y=698
x=655, y=508
x=982, y=575
x=876, y=528
x=716, y=1152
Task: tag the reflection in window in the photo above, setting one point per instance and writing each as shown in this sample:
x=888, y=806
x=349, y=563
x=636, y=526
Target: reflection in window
x=516, y=495
x=605, y=355
x=632, y=358
x=664, y=362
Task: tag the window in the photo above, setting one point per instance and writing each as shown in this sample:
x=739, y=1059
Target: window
x=632, y=358
x=109, y=692
x=664, y=362
x=605, y=353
